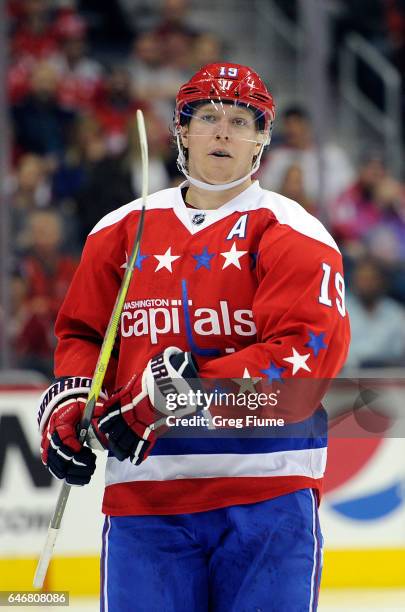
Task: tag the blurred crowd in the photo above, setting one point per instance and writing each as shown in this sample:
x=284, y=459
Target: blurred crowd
x=75, y=157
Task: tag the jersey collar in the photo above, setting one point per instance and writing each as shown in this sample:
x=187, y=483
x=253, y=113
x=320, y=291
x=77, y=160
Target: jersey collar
x=243, y=201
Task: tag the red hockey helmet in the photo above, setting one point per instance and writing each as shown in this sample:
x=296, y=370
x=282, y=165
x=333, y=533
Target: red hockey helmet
x=227, y=82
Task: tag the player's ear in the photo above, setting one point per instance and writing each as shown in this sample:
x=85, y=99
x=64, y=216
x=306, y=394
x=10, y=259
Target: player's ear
x=184, y=136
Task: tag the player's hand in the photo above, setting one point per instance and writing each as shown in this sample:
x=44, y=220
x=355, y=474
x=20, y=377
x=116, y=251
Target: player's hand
x=135, y=416
x=61, y=451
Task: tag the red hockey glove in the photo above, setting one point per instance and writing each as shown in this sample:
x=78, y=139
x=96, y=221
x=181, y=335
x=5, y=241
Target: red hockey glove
x=135, y=416
x=61, y=451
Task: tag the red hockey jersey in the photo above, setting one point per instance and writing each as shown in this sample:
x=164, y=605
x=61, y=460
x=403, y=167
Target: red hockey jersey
x=253, y=289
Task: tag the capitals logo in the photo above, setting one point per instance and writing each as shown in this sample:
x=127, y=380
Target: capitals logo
x=159, y=316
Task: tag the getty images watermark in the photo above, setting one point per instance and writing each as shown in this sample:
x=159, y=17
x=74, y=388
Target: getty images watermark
x=357, y=407
x=203, y=401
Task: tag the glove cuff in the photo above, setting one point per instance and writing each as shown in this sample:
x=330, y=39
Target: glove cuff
x=170, y=374
x=67, y=388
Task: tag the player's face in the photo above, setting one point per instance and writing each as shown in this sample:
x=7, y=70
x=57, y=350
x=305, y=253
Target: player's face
x=222, y=141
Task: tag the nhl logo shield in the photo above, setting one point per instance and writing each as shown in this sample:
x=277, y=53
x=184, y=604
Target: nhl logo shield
x=198, y=218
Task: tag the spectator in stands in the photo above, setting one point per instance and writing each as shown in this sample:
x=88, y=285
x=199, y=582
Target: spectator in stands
x=18, y=78
x=178, y=45
x=174, y=19
x=85, y=153
x=207, y=49
x=30, y=190
x=298, y=148
x=371, y=212
x=377, y=321
x=34, y=36
x=177, y=37
x=41, y=123
x=47, y=270
x=292, y=186
x=47, y=274
x=115, y=180
x=15, y=12
x=110, y=31
x=87, y=147
x=115, y=106
x=152, y=80
x=30, y=187
x=81, y=75
x=387, y=239
x=354, y=212
x=18, y=309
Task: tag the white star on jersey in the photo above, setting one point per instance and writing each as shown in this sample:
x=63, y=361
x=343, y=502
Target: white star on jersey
x=299, y=362
x=232, y=257
x=247, y=383
x=166, y=260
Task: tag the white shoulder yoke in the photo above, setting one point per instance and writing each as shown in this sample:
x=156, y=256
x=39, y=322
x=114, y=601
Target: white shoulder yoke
x=289, y=212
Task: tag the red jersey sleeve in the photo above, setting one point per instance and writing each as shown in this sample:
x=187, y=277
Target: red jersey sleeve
x=299, y=311
x=85, y=313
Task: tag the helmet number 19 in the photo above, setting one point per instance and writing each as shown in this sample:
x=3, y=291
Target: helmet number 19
x=228, y=71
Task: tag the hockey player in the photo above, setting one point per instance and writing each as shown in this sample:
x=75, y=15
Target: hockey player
x=231, y=281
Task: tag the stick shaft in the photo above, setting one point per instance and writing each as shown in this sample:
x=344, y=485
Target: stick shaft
x=101, y=366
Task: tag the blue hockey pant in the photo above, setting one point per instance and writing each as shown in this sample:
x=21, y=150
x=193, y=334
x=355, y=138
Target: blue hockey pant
x=261, y=557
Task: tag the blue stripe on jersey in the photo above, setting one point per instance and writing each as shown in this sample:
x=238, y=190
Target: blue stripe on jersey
x=311, y=433
x=240, y=446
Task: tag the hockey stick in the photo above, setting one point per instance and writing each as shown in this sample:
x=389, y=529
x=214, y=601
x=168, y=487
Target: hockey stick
x=101, y=366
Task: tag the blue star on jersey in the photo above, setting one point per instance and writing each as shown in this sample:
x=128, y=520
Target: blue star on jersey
x=273, y=372
x=204, y=259
x=139, y=260
x=316, y=342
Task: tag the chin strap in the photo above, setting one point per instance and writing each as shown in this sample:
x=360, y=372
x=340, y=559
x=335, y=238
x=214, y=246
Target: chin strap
x=181, y=164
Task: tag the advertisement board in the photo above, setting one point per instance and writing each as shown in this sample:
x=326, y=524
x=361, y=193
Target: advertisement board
x=362, y=511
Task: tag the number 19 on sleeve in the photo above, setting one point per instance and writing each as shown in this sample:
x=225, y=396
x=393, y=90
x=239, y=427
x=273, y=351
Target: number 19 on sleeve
x=324, y=297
